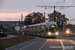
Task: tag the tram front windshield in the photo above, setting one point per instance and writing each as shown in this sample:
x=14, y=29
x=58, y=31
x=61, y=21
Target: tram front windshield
x=52, y=29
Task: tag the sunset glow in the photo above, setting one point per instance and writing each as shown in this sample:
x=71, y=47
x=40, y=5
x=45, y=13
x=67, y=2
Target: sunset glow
x=13, y=16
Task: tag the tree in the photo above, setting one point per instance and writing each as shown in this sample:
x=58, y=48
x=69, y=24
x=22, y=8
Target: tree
x=34, y=18
x=59, y=18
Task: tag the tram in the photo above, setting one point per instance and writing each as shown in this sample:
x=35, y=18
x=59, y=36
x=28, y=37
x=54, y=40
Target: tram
x=47, y=29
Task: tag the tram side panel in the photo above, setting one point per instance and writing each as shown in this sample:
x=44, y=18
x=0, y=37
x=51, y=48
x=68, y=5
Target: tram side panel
x=43, y=30
x=38, y=31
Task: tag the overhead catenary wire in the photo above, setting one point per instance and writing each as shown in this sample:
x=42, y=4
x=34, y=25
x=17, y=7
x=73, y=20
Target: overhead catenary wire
x=64, y=2
x=59, y=3
x=60, y=6
x=73, y=3
x=12, y=19
x=42, y=2
x=51, y=3
x=44, y=8
x=55, y=3
x=67, y=2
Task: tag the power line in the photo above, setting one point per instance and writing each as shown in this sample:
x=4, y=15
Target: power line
x=72, y=19
x=54, y=8
x=59, y=3
x=42, y=2
x=42, y=10
x=66, y=1
x=73, y=4
x=12, y=19
x=55, y=3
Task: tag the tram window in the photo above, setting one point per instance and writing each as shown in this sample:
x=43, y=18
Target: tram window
x=38, y=29
x=42, y=28
x=46, y=29
x=27, y=29
x=22, y=29
x=34, y=29
x=30, y=30
x=52, y=29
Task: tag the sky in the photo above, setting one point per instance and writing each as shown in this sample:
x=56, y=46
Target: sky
x=14, y=8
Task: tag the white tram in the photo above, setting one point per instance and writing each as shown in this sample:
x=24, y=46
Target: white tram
x=47, y=29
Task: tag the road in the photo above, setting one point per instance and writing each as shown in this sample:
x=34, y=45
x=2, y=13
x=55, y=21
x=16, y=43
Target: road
x=59, y=43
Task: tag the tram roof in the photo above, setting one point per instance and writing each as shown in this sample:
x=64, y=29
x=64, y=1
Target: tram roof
x=45, y=23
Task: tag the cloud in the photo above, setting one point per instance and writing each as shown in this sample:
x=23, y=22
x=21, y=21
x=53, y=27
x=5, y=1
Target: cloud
x=4, y=16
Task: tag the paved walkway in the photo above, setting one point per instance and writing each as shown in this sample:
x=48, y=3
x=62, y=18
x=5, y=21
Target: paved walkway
x=9, y=36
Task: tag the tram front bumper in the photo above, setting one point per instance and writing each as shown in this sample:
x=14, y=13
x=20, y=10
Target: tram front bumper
x=52, y=34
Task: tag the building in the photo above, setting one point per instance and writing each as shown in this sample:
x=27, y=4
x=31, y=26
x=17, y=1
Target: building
x=9, y=25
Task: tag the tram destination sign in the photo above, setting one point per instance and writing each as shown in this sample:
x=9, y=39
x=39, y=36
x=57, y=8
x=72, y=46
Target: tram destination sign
x=52, y=26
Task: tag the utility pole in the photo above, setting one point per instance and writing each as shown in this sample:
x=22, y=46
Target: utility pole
x=63, y=24
x=19, y=26
x=44, y=16
x=54, y=14
x=21, y=17
x=55, y=8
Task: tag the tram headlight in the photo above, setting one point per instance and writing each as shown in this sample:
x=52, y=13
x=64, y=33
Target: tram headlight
x=56, y=33
x=67, y=31
x=49, y=33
